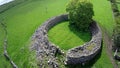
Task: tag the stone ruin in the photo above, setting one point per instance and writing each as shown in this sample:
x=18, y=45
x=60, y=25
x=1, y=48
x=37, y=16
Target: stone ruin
x=86, y=52
x=46, y=51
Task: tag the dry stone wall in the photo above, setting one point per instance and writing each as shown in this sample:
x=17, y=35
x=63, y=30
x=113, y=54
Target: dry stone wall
x=46, y=51
x=89, y=50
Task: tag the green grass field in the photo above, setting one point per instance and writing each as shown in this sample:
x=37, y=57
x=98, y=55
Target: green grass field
x=103, y=15
x=23, y=19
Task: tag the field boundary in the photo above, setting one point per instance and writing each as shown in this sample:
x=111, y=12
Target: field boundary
x=6, y=55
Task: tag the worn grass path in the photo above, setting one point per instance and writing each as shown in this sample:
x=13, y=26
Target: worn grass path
x=108, y=43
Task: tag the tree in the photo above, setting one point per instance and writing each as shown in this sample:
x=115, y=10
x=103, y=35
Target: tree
x=117, y=36
x=80, y=13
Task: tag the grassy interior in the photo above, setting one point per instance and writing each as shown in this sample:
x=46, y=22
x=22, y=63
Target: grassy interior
x=66, y=36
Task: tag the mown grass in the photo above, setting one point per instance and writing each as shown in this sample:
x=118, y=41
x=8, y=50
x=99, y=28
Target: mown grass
x=104, y=15
x=22, y=20
x=66, y=36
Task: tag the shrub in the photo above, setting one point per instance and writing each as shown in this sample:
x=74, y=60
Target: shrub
x=117, y=37
x=117, y=32
x=80, y=13
x=115, y=7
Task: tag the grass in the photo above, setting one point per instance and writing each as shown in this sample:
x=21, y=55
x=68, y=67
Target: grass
x=2, y=59
x=103, y=60
x=67, y=37
x=118, y=4
x=23, y=19
x=104, y=15
x=9, y=5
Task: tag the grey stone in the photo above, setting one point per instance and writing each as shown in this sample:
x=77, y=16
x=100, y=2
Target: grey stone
x=46, y=50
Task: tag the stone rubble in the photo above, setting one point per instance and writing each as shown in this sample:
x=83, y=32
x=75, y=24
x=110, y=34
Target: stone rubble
x=46, y=51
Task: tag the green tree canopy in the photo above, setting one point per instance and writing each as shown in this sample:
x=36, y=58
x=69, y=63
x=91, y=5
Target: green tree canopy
x=117, y=36
x=80, y=13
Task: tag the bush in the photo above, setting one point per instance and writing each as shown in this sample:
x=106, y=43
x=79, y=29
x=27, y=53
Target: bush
x=80, y=13
x=117, y=32
x=117, y=37
x=115, y=7
x=113, y=1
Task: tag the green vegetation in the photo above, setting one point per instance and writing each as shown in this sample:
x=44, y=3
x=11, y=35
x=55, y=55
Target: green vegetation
x=118, y=4
x=2, y=62
x=116, y=34
x=117, y=26
x=91, y=46
x=103, y=15
x=23, y=19
x=66, y=36
x=10, y=5
x=80, y=13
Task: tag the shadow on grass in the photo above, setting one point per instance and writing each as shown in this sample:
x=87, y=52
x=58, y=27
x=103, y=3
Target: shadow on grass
x=90, y=63
x=85, y=36
x=118, y=2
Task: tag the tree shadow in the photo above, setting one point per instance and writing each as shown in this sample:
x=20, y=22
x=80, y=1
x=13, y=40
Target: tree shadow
x=82, y=35
x=85, y=36
x=90, y=63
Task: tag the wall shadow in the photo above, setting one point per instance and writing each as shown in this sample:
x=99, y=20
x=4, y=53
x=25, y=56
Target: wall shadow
x=81, y=35
x=88, y=64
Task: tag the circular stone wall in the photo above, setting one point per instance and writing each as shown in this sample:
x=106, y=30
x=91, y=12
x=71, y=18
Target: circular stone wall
x=46, y=50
